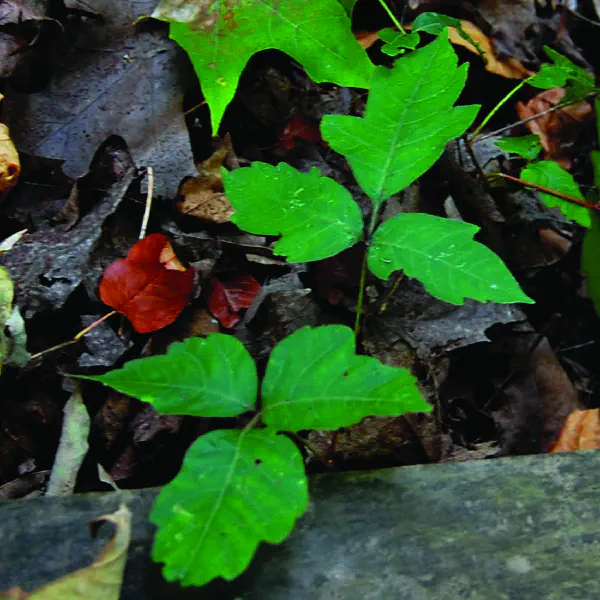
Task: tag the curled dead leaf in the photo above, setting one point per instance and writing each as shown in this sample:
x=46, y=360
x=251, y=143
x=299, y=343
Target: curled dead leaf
x=202, y=196
x=102, y=580
x=556, y=128
x=581, y=431
x=10, y=166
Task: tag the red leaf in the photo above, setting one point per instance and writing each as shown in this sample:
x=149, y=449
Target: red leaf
x=227, y=298
x=299, y=128
x=150, y=287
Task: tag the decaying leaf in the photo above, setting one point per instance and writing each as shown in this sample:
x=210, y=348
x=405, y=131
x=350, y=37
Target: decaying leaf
x=150, y=287
x=557, y=128
x=10, y=167
x=227, y=298
x=508, y=67
x=72, y=448
x=102, y=580
x=581, y=431
x=202, y=196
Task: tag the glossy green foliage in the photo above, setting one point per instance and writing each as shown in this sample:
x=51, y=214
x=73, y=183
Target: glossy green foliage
x=549, y=174
x=315, y=380
x=563, y=73
x=240, y=487
x=527, y=146
x=442, y=254
x=316, y=216
x=409, y=118
x=235, y=489
x=220, y=36
x=204, y=377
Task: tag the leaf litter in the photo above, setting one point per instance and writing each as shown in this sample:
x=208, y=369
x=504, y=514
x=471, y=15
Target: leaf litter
x=504, y=378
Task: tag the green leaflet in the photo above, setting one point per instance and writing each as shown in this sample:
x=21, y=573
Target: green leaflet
x=590, y=261
x=203, y=377
x=235, y=489
x=549, y=174
x=220, y=36
x=442, y=254
x=563, y=73
x=6, y=300
x=315, y=380
x=527, y=146
x=316, y=216
x=408, y=120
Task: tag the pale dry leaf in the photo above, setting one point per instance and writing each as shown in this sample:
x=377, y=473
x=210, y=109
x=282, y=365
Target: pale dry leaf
x=10, y=166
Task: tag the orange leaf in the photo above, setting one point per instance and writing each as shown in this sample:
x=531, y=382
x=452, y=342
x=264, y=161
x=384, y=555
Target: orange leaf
x=581, y=431
x=150, y=287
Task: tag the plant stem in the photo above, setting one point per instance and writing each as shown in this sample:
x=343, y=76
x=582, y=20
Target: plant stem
x=551, y=192
x=392, y=17
x=498, y=106
x=363, y=272
x=75, y=338
x=146, y=216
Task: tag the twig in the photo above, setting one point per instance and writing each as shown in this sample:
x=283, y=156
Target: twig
x=146, y=217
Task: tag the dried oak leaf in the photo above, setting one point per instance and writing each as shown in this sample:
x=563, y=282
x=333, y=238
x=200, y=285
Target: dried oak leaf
x=10, y=167
x=581, y=431
x=557, y=128
x=150, y=286
x=227, y=298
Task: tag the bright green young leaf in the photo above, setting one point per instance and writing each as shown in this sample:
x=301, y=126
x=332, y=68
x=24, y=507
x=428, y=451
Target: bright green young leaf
x=408, y=120
x=220, y=36
x=235, y=489
x=395, y=41
x=590, y=261
x=315, y=380
x=442, y=254
x=563, y=73
x=202, y=377
x=7, y=293
x=527, y=146
x=595, y=154
x=348, y=6
x=549, y=174
x=315, y=215
x=435, y=23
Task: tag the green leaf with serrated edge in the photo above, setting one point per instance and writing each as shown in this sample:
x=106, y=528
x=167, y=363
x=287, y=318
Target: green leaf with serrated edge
x=408, y=120
x=395, y=41
x=203, y=377
x=235, y=489
x=527, y=146
x=434, y=23
x=549, y=174
x=563, y=73
x=315, y=380
x=442, y=254
x=590, y=262
x=220, y=36
x=315, y=215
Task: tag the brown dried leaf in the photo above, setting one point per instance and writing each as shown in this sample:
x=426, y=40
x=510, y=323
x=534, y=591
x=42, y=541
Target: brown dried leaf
x=10, y=166
x=203, y=195
x=581, y=431
x=556, y=128
x=510, y=67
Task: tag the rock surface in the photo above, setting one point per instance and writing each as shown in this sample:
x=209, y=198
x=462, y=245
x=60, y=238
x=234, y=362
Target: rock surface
x=523, y=527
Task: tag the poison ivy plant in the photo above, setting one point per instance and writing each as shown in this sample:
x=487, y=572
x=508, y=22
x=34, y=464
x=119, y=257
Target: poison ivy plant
x=527, y=146
x=237, y=488
x=220, y=36
x=404, y=131
x=552, y=176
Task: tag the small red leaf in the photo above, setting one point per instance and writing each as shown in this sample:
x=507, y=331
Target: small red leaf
x=299, y=128
x=227, y=298
x=150, y=287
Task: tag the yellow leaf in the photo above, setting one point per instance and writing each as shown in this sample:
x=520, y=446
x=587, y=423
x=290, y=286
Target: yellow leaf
x=10, y=166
